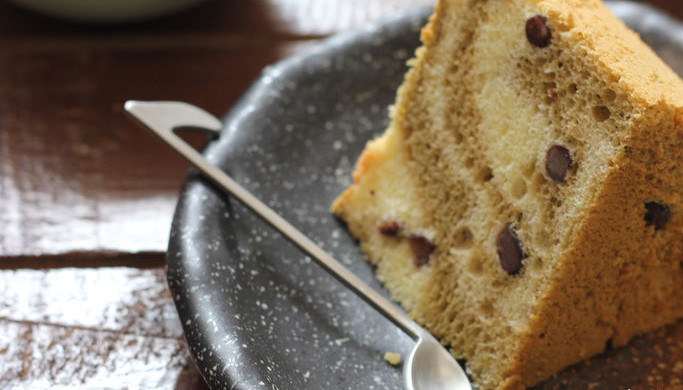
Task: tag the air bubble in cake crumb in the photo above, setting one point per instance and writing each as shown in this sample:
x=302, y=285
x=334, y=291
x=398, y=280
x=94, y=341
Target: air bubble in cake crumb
x=601, y=113
x=475, y=266
x=485, y=174
x=462, y=238
x=518, y=188
x=469, y=162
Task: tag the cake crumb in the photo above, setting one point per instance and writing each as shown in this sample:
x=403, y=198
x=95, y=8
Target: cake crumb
x=392, y=358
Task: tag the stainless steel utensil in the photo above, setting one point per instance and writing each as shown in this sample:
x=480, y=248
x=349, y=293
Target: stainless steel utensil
x=429, y=366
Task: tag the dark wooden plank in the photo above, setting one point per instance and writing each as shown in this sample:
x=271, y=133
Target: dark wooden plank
x=273, y=18
x=672, y=7
x=47, y=356
x=84, y=327
x=118, y=300
x=113, y=328
x=75, y=173
x=86, y=259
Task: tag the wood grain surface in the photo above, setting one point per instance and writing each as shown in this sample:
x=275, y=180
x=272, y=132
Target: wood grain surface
x=86, y=197
x=77, y=176
x=105, y=327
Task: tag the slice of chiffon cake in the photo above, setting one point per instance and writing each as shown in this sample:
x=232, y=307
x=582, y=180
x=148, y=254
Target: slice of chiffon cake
x=525, y=204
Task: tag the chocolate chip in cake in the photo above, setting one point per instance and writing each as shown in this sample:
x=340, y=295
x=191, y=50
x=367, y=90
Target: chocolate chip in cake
x=537, y=31
x=510, y=253
x=388, y=228
x=657, y=214
x=422, y=248
x=558, y=162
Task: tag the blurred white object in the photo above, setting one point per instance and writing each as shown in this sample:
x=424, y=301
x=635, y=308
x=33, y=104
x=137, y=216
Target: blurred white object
x=106, y=11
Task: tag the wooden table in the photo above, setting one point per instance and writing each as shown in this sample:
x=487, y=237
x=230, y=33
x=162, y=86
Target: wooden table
x=87, y=197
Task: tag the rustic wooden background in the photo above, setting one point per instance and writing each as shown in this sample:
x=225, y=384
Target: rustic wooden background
x=86, y=197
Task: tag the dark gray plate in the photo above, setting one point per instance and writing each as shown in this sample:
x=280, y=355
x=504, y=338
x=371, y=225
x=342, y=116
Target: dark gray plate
x=257, y=313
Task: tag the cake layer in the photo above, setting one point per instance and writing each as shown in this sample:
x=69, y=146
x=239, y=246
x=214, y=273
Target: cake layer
x=525, y=202
x=387, y=196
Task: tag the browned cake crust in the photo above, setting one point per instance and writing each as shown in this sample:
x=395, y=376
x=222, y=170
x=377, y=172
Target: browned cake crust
x=525, y=204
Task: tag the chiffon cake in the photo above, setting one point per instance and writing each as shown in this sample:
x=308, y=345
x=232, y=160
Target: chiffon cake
x=525, y=203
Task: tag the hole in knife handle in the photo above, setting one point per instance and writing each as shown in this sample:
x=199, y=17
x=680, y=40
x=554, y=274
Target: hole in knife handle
x=197, y=137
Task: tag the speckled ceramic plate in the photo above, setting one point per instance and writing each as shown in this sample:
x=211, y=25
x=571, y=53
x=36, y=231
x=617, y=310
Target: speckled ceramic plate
x=257, y=313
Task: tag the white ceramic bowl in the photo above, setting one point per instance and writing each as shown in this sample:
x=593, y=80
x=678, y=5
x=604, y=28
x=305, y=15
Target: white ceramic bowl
x=106, y=11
